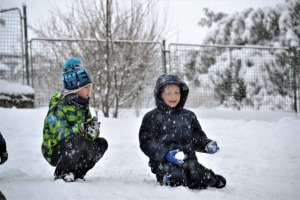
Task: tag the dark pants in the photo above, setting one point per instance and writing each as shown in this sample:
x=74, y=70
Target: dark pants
x=77, y=155
x=192, y=174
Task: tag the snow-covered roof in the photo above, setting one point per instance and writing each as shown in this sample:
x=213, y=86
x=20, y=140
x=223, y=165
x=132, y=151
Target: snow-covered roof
x=14, y=88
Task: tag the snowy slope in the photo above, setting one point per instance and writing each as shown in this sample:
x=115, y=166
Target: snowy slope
x=260, y=157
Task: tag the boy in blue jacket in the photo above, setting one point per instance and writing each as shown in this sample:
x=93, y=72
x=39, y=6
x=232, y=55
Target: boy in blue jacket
x=170, y=130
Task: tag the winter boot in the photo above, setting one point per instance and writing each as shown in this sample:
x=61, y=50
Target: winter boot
x=67, y=177
x=221, y=181
x=79, y=178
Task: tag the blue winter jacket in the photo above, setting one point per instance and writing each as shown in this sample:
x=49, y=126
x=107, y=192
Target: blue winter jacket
x=165, y=128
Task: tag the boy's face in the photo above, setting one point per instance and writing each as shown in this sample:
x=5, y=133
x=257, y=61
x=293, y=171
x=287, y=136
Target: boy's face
x=171, y=95
x=85, y=91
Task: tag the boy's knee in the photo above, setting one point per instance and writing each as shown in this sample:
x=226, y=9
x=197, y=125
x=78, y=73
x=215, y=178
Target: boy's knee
x=199, y=177
x=102, y=143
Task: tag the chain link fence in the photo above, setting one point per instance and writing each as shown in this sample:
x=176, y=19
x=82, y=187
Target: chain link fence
x=11, y=46
x=238, y=77
x=135, y=63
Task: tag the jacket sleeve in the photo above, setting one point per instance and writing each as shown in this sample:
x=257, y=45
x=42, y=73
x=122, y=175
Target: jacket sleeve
x=147, y=139
x=58, y=126
x=200, y=139
x=2, y=144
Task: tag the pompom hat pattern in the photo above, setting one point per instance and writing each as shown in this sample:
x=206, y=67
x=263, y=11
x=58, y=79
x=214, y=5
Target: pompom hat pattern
x=74, y=75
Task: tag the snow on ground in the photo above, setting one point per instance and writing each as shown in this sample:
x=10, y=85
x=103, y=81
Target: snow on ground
x=259, y=156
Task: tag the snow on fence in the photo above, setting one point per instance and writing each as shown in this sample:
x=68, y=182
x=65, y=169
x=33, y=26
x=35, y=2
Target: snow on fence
x=238, y=76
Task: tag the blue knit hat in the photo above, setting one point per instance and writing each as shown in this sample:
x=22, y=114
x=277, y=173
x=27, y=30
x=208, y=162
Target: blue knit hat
x=75, y=75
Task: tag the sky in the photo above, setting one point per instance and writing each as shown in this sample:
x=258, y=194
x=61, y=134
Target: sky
x=182, y=16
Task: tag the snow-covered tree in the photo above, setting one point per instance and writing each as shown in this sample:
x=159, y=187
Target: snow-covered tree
x=253, y=76
x=277, y=26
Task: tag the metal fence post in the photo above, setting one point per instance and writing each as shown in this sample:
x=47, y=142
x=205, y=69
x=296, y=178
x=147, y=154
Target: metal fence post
x=26, y=44
x=164, y=56
x=294, y=77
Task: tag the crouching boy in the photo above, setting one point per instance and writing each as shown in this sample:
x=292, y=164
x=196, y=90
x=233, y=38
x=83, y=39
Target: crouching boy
x=71, y=141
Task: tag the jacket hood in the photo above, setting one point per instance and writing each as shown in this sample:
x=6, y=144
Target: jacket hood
x=170, y=79
x=54, y=100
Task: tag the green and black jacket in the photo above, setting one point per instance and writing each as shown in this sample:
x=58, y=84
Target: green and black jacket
x=63, y=119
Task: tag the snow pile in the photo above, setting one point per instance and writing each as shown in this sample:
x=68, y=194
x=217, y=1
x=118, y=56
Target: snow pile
x=12, y=94
x=259, y=156
x=14, y=88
